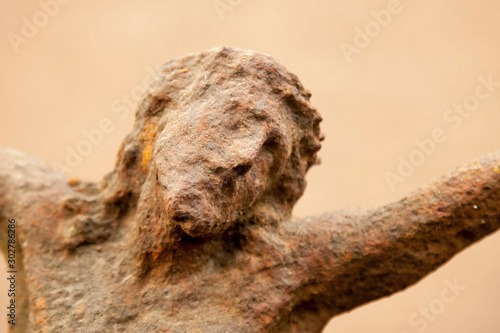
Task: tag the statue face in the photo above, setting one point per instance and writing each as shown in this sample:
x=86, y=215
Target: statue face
x=213, y=161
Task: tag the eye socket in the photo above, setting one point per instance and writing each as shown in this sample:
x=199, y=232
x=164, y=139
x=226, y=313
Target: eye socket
x=181, y=218
x=242, y=169
x=270, y=143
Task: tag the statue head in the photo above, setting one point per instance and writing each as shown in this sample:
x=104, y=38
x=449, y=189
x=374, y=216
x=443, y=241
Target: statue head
x=222, y=137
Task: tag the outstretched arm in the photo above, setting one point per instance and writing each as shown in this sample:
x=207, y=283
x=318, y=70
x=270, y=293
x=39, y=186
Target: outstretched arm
x=23, y=179
x=355, y=257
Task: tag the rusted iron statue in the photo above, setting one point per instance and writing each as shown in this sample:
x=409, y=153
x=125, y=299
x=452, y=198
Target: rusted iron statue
x=193, y=232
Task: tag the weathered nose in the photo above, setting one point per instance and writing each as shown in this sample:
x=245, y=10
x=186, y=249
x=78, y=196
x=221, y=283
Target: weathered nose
x=192, y=212
x=201, y=206
x=183, y=206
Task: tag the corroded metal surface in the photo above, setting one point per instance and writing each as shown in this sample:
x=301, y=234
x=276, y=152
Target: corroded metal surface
x=192, y=231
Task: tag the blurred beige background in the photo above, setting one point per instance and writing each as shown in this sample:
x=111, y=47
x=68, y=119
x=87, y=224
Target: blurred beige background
x=377, y=94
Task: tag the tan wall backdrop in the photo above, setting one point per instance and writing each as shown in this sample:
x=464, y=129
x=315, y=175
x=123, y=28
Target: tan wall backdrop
x=383, y=73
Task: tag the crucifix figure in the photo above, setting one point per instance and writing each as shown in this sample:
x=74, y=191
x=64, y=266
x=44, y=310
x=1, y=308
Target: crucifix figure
x=193, y=229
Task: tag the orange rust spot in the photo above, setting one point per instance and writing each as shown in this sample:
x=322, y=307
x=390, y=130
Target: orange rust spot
x=266, y=319
x=156, y=252
x=185, y=70
x=148, y=138
x=348, y=256
x=41, y=315
x=314, y=290
x=40, y=303
x=79, y=311
x=73, y=181
x=146, y=157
